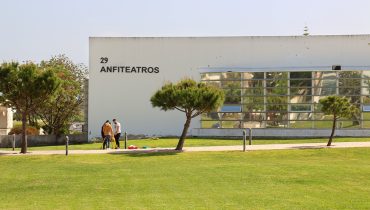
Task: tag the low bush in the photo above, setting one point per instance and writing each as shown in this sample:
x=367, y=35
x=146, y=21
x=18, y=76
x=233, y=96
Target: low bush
x=29, y=130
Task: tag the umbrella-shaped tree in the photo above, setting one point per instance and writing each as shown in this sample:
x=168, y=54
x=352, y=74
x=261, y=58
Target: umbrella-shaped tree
x=339, y=107
x=24, y=88
x=189, y=97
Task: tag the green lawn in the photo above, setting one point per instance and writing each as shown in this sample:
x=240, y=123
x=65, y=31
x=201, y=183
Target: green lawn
x=195, y=142
x=285, y=179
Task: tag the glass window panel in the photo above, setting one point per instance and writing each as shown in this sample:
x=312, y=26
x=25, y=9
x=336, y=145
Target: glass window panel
x=366, y=74
x=231, y=124
x=355, y=118
x=366, y=116
x=326, y=83
x=277, y=107
x=300, y=83
x=300, y=91
x=349, y=82
x=325, y=75
x=366, y=108
x=304, y=74
x=365, y=91
x=253, y=107
x=319, y=116
x=251, y=116
x=300, y=107
x=276, y=124
x=213, y=83
x=366, y=99
x=300, y=116
x=253, y=75
x=276, y=75
x=301, y=124
x=325, y=80
x=317, y=107
x=320, y=91
x=366, y=124
x=229, y=99
x=277, y=91
x=354, y=99
x=253, y=100
x=231, y=116
x=315, y=99
x=323, y=117
x=228, y=84
x=366, y=82
x=322, y=124
x=276, y=83
x=211, y=116
x=231, y=76
x=252, y=84
x=253, y=124
x=300, y=99
x=349, y=91
x=276, y=116
x=232, y=96
x=277, y=99
x=253, y=91
x=349, y=74
x=277, y=79
x=210, y=124
x=231, y=108
x=366, y=120
x=348, y=124
x=210, y=76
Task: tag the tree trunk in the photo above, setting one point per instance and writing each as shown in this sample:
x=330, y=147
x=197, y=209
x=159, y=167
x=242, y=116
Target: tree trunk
x=183, y=135
x=332, y=131
x=24, y=133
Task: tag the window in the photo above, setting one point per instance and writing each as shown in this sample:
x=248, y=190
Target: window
x=286, y=99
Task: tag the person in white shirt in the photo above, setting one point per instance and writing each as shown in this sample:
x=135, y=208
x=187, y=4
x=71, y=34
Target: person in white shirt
x=117, y=132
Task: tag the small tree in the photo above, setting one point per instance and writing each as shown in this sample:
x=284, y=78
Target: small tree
x=339, y=107
x=25, y=88
x=189, y=97
x=59, y=111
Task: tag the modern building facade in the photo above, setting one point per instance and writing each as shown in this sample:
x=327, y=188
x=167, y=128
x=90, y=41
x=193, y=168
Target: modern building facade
x=272, y=84
x=286, y=99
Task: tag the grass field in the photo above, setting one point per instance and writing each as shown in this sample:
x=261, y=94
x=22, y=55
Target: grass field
x=289, y=179
x=195, y=142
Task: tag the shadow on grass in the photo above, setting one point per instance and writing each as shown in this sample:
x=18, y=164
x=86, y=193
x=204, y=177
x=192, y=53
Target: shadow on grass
x=146, y=153
x=310, y=147
x=8, y=153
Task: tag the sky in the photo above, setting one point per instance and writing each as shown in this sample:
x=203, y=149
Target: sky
x=35, y=30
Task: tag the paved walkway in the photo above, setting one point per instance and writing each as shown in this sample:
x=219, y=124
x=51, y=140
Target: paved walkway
x=197, y=149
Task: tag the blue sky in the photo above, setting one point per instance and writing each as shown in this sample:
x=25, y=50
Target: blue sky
x=38, y=29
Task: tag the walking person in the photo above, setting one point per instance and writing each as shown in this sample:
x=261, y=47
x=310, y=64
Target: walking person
x=108, y=132
x=102, y=135
x=117, y=132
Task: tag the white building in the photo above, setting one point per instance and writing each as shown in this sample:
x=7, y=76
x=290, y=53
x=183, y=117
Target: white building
x=6, y=120
x=126, y=71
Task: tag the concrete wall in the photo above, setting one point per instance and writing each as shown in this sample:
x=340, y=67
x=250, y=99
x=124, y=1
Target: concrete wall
x=42, y=140
x=282, y=133
x=126, y=96
x=6, y=120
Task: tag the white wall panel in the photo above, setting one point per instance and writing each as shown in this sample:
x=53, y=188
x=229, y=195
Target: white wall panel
x=125, y=96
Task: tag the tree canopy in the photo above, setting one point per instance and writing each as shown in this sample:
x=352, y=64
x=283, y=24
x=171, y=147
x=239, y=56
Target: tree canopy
x=60, y=110
x=25, y=87
x=189, y=97
x=339, y=107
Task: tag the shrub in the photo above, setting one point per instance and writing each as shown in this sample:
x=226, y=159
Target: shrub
x=18, y=130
